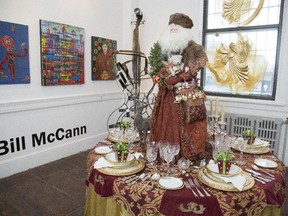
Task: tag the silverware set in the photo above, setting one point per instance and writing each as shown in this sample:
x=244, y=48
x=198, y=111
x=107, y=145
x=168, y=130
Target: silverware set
x=194, y=184
x=262, y=178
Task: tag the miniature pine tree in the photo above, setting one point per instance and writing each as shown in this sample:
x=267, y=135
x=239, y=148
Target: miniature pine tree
x=155, y=59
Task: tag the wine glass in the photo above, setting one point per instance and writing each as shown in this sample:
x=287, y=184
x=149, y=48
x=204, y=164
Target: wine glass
x=169, y=153
x=162, y=148
x=241, y=145
x=215, y=150
x=131, y=134
x=151, y=153
x=118, y=133
x=176, y=150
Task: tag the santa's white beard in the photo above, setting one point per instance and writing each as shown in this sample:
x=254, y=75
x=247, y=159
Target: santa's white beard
x=174, y=42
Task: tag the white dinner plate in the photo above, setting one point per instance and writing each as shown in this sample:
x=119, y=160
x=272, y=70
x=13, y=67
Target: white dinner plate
x=234, y=169
x=103, y=149
x=171, y=183
x=266, y=163
x=111, y=158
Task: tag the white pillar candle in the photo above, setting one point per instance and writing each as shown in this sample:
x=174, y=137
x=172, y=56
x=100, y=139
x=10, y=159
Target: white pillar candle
x=222, y=113
x=216, y=106
x=211, y=107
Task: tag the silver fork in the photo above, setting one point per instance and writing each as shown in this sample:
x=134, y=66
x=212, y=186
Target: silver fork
x=198, y=185
x=189, y=187
x=193, y=185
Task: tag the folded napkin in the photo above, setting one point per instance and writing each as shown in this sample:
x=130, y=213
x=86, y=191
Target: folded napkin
x=238, y=181
x=101, y=163
x=260, y=142
x=137, y=155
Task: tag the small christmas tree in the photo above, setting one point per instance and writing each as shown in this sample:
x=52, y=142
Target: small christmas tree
x=155, y=59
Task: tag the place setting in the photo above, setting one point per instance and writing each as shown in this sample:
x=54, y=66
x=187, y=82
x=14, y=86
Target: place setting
x=117, y=160
x=249, y=143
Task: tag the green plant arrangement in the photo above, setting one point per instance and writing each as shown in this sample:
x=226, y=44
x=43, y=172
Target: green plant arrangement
x=249, y=135
x=155, y=60
x=124, y=124
x=121, y=149
x=224, y=159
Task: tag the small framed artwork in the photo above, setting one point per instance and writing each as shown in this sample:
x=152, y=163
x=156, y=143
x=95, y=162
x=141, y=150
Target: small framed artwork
x=14, y=54
x=103, y=62
x=62, y=54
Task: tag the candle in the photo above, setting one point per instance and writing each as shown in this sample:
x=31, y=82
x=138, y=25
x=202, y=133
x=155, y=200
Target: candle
x=222, y=114
x=216, y=106
x=211, y=107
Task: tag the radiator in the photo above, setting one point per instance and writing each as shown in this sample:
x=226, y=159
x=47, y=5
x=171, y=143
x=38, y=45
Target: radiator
x=268, y=129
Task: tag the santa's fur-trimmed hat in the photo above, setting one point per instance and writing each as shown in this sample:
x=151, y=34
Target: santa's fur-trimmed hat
x=181, y=19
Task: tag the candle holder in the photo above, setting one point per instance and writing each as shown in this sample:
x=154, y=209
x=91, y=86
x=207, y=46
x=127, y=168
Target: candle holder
x=216, y=129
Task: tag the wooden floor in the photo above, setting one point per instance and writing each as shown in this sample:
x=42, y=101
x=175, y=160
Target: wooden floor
x=57, y=188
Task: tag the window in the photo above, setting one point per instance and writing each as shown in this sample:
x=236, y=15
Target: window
x=242, y=39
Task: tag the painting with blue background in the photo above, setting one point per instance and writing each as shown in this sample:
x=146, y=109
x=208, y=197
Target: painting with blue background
x=14, y=54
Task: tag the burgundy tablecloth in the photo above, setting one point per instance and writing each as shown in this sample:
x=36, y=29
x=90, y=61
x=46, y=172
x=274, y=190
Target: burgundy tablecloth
x=153, y=199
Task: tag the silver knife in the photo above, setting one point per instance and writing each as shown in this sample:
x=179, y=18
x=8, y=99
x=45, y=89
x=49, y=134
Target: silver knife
x=260, y=174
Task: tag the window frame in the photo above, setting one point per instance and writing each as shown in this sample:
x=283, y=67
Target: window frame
x=234, y=29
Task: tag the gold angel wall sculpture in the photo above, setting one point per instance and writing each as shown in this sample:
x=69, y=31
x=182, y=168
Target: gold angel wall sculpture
x=241, y=12
x=237, y=66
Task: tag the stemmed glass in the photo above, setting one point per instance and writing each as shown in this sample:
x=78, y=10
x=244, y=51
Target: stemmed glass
x=162, y=149
x=170, y=151
x=151, y=153
x=131, y=134
x=241, y=145
x=215, y=150
x=118, y=133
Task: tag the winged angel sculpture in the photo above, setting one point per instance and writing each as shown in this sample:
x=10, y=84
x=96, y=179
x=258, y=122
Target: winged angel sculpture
x=237, y=66
x=241, y=12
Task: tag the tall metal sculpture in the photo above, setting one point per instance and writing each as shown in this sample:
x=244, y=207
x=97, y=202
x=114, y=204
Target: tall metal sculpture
x=133, y=107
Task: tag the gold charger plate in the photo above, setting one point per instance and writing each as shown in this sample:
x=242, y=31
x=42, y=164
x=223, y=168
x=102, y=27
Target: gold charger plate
x=222, y=185
x=133, y=168
x=257, y=151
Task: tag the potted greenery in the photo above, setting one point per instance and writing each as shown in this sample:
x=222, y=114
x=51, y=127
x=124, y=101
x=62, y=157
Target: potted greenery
x=249, y=135
x=224, y=159
x=121, y=149
x=124, y=125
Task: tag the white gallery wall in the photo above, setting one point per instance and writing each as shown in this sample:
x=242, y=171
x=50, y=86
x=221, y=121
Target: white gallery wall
x=32, y=111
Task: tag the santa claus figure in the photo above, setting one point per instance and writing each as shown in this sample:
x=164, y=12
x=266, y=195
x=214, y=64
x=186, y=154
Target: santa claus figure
x=174, y=39
x=182, y=123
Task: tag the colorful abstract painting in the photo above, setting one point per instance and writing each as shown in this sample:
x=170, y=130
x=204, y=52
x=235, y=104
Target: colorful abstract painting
x=14, y=54
x=103, y=63
x=62, y=54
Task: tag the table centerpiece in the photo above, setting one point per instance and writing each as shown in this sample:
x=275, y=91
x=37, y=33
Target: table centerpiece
x=224, y=160
x=249, y=136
